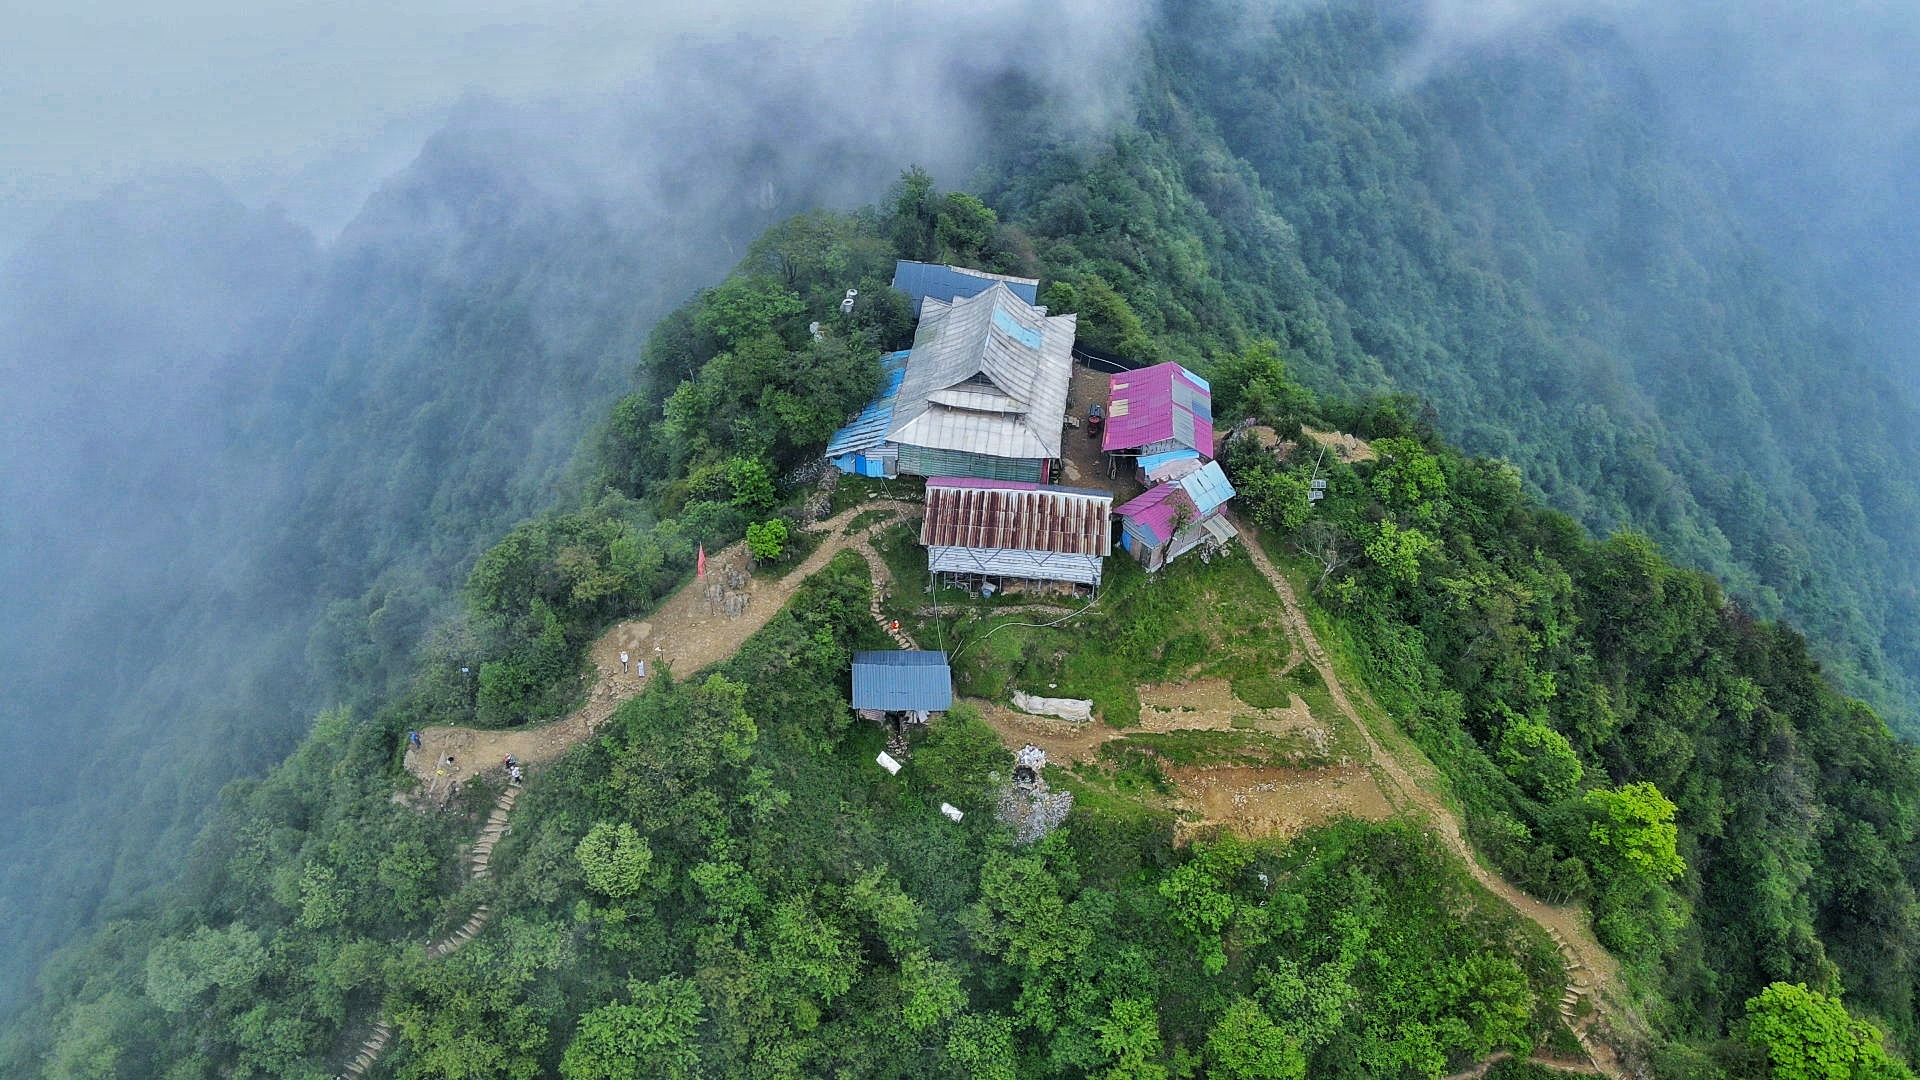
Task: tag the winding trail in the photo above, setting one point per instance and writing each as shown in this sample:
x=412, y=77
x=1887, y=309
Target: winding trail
x=702, y=623
x=1592, y=974
x=696, y=627
x=690, y=630
x=375, y=1044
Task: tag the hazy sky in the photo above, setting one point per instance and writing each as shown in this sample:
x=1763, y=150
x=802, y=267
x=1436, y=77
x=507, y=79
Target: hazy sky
x=311, y=103
x=92, y=93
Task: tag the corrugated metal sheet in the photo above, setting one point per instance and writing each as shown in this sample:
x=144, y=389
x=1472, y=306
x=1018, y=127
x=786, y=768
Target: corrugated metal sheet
x=948, y=283
x=1170, y=465
x=988, y=375
x=1162, y=404
x=902, y=681
x=1017, y=517
x=1030, y=565
x=1208, y=488
x=1149, y=517
x=1202, y=493
x=869, y=429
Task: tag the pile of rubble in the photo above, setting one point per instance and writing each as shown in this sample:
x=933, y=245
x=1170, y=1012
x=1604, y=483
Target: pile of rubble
x=1027, y=804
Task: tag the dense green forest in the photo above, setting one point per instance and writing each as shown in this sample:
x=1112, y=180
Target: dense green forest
x=1516, y=243
x=1415, y=265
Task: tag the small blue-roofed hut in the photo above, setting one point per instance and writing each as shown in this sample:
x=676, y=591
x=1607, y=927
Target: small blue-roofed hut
x=914, y=682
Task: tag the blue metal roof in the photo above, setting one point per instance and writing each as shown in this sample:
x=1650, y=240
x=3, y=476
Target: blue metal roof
x=870, y=427
x=1029, y=338
x=920, y=280
x=904, y=681
x=1207, y=487
x=1150, y=462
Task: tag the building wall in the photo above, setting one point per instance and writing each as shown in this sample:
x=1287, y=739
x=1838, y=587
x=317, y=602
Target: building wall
x=1031, y=565
x=924, y=461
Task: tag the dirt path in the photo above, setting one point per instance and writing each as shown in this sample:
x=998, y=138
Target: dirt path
x=701, y=624
x=1417, y=781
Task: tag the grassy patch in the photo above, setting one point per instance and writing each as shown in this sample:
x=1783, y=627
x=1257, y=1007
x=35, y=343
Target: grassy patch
x=1218, y=616
x=1126, y=771
x=851, y=491
x=1262, y=690
x=865, y=518
x=1214, y=748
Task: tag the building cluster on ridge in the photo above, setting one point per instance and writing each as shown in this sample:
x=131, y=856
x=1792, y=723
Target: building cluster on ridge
x=978, y=407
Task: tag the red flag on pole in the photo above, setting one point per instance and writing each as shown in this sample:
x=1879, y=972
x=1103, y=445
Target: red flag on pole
x=700, y=567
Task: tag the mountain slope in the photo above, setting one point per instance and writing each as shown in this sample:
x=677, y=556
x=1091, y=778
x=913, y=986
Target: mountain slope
x=1522, y=244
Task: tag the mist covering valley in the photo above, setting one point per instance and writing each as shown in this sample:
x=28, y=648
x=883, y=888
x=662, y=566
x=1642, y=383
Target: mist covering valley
x=258, y=421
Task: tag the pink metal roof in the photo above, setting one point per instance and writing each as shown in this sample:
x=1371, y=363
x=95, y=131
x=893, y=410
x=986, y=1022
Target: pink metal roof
x=1153, y=404
x=1153, y=510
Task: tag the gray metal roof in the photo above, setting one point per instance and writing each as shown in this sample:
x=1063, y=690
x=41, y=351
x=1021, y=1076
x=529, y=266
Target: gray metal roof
x=1033, y=565
x=987, y=374
x=905, y=681
x=948, y=283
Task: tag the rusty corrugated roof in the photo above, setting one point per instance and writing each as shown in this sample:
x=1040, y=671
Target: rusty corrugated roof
x=1023, y=517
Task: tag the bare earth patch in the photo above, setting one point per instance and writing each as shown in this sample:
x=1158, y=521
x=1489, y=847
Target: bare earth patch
x=1063, y=740
x=1276, y=802
x=1211, y=705
x=1251, y=800
x=1348, y=448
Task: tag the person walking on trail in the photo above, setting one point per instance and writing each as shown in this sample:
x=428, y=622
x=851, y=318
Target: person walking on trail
x=413, y=739
x=513, y=774
x=623, y=662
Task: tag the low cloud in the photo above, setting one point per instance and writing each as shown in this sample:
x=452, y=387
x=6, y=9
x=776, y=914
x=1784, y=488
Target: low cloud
x=297, y=102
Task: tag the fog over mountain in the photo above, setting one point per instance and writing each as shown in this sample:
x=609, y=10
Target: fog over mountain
x=303, y=306
x=214, y=423
x=1804, y=115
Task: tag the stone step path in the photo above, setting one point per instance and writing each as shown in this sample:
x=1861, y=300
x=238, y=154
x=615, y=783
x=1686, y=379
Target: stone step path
x=370, y=1050
x=478, y=868
x=1579, y=988
x=882, y=578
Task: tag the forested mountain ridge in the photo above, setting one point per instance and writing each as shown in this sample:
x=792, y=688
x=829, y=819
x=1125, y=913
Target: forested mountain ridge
x=1515, y=241
x=722, y=883
x=1571, y=304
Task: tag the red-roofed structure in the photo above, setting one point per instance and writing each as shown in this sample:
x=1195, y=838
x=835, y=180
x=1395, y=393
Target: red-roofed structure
x=990, y=529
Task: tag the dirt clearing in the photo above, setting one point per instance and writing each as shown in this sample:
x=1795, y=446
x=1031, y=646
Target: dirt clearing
x=1256, y=800
x=1276, y=802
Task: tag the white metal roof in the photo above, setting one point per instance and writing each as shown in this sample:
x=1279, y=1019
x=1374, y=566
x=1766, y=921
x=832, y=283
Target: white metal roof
x=988, y=375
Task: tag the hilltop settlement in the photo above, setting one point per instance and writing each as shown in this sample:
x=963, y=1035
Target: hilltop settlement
x=979, y=407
